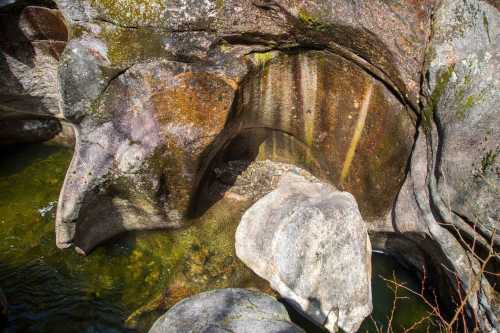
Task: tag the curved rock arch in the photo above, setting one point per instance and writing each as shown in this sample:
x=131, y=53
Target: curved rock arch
x=350, y=122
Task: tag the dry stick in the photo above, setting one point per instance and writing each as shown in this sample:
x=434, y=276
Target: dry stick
x=475, y=279
x=475, y=282
x=379, y=330
x=394, y=302
x=418, y=323
x=435, y=309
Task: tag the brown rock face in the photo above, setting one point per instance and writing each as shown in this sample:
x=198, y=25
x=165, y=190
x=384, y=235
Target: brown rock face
x=358, y=133
x=391, y=35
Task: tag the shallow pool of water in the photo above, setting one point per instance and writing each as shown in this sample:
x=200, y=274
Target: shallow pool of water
x=125, y=285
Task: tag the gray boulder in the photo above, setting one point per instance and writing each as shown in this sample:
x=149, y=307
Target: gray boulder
x=310, y=242
x=226, y=310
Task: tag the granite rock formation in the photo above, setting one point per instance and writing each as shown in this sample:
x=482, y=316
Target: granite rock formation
x=392, y=101
x=226, y=310
x=310, y=242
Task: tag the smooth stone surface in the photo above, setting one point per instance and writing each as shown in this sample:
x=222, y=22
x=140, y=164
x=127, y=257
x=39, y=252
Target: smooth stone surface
x=310, y=242
x=226, y=310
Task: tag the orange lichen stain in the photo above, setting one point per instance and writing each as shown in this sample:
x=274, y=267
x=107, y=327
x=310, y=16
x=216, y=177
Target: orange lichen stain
x=200, y=100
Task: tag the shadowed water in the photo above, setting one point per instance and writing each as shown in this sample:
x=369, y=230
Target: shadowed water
x=125, y=285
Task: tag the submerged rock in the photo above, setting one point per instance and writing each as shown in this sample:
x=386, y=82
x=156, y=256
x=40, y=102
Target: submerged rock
x=226, y=310
x=310, y=242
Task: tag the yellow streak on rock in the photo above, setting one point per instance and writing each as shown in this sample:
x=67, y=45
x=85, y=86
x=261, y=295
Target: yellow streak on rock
x=309, y=87
x=357, y=133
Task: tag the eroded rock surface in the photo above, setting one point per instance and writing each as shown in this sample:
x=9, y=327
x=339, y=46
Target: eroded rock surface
x=450, y=199
x=310, y=242
x=226, y=310
x=31, y=41
x=146, y=143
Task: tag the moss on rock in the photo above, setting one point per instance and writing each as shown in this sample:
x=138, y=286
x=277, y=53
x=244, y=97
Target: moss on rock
x=131, y=45
x=437, y=93
x=133, y=13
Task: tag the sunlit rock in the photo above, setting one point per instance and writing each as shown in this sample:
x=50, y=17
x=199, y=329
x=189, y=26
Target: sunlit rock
x=310, y=242
x=453, y=181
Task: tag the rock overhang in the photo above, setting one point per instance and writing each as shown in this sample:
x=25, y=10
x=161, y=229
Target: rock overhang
x=157, y=127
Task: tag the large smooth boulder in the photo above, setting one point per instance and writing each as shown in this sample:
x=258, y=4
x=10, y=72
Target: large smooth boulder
x=310, y=242
x=226, y=310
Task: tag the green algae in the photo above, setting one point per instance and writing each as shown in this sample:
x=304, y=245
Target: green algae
x=486, y=26
x=128, y=276
x=262, y=58
x=311, y=21
x=441, y=85
x=467, y=103
x=488, y=160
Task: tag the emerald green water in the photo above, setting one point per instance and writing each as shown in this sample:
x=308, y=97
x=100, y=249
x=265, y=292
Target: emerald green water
x=409, y=308
x=125, y=285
